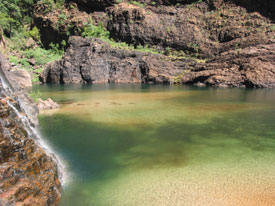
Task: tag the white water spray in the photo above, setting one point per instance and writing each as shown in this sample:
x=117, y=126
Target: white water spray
x=36, y=135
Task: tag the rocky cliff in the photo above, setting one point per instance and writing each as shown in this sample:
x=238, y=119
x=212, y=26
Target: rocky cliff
x=28, y=175
x=251, y=67
x=185, y=33
x=94, y=61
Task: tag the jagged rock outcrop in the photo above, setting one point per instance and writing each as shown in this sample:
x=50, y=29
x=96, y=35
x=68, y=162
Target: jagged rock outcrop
x=196, y=29
x=56, y=24
x=94, y=61
x=202, y=29
x=211, y=30
x=164, y=27
x=252, y=67
x=28, y=175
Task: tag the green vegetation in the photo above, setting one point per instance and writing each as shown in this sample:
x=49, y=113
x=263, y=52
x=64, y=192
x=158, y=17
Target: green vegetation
x=178, y=78
x=38, y=56
x=14, y=14
x=23, y=42
x=99, y=31
x=35, y=95
x=137, y=4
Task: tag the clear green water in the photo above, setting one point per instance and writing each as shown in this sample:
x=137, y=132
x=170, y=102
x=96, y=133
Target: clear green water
x=142, y=145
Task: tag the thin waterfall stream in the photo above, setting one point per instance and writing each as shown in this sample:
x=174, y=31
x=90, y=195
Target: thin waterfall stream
x=32, y=130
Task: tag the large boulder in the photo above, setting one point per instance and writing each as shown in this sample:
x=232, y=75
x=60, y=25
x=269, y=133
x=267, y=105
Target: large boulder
x=22, y=77
x=94, y=61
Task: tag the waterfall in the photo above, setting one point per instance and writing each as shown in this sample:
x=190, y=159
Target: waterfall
x=32, y=131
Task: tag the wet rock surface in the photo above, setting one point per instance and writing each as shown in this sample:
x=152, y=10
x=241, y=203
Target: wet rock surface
x=94, y=61
x=28, y=175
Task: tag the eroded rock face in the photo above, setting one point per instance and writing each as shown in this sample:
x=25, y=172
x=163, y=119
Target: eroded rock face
x=211, y=30
x=164, y=27
x=94, y=61
x=252, y=67
x=202, y=29
x=28, y=175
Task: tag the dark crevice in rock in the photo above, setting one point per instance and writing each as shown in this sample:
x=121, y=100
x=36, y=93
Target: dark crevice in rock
x=90, y=6
x=249, y=84
x=265, y=7
x=199, y=79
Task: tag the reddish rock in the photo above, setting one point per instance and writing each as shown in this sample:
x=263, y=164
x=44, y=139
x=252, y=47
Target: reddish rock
x=252, y=67
x=28, y=176
x=24, y=166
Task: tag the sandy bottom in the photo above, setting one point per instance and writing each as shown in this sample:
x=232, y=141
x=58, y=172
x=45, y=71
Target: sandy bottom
x=172, y=148
x=191, y=186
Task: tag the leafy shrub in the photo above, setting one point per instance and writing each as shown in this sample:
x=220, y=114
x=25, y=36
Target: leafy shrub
x=35, y=95
x=91, y=30
x=34, y=33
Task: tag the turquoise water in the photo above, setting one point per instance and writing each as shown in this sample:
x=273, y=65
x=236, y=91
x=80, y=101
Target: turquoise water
x=163, y=145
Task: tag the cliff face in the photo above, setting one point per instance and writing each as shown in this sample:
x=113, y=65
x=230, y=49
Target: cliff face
x=94, y=61
x=224, y=34
x=28, y=175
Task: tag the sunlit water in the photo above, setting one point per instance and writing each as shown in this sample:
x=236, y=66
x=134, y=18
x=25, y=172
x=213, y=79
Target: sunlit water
x=142, y=145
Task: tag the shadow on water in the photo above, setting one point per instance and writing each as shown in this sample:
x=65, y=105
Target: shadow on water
x=95, y=148
x=98, y=152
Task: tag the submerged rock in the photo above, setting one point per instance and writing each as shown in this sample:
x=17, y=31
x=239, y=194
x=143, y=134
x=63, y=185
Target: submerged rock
x=47, y=104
